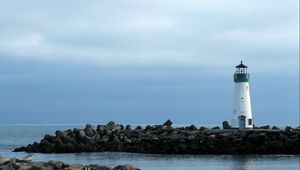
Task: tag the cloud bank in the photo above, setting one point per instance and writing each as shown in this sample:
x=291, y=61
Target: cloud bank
x=196, y=33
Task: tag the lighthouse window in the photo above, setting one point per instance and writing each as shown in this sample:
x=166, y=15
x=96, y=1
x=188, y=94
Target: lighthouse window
x=249, y=121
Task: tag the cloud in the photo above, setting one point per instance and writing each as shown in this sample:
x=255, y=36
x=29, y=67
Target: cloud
x=196, y=33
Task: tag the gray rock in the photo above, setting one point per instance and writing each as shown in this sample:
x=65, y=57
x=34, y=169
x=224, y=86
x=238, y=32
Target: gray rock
x=216, y=127
x=125, y=167
x=148, y=127
x=58, y=133
x=98, y=167
x=226, y=125
x=128, y=127
x=49, y=138
x=66, y=139
x=97, y=137
x=68, y=132
x=100, y=128
x=58, y=164
x=202, y=128
x=288, y=129
x=265, y=127
x=111, y=123
x=192, y=127
x=105, y=138
x=275, y=128
x=117, y=128
x=15, y=164
x=81, y=134
x=168, y=123
x=90, y=131
x=191, y=137
x=138, y=128
x=108, y=132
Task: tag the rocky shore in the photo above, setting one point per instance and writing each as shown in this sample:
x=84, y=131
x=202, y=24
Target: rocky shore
x=16, y=164
x=165, y=139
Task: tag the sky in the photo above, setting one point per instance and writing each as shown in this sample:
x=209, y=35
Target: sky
x=146, y=61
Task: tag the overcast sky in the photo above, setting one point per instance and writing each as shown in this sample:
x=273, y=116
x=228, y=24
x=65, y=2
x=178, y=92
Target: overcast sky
x=144, y=61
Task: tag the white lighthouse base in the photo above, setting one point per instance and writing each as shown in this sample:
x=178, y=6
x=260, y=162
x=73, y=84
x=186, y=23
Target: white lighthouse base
x=242, y=113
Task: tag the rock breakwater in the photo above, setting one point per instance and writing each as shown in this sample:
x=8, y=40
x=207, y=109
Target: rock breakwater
x=165, y=139
x=15, y=164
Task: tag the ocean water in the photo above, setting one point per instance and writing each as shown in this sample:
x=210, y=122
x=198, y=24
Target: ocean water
x=12, y=136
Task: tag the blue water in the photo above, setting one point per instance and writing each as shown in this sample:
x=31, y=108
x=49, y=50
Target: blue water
x=12, y=136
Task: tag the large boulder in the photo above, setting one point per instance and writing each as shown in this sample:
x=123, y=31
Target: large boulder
x=138, y=128
x=216, y=127
x=125, y=167
x=226, y=125
x=192, y=127
x=288, y=129
x=168, y=123
x=97, y=167
x=148, y=128
x=111, y=123
x=275, y=128
x=105, y=138
x=202, y=128
x=49, y=138
x=117, y=128
x=58, y=164
x=265, y=127
x=128, y=127
x=89, y=130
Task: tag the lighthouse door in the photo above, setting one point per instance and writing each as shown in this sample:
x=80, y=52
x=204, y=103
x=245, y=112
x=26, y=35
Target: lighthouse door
x=242, y=122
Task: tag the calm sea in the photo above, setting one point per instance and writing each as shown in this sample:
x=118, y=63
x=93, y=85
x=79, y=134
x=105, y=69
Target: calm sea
x=12, y=136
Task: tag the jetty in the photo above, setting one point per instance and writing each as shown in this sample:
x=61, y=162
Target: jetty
x=165, y=139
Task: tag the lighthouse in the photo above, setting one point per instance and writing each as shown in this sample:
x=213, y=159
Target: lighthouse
x=242, y=113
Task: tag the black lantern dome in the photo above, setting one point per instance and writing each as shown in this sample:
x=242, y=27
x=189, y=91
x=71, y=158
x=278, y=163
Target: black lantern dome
x=241, y=74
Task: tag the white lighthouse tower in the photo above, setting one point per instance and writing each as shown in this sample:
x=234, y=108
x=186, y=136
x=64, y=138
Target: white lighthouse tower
x=242, y=114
